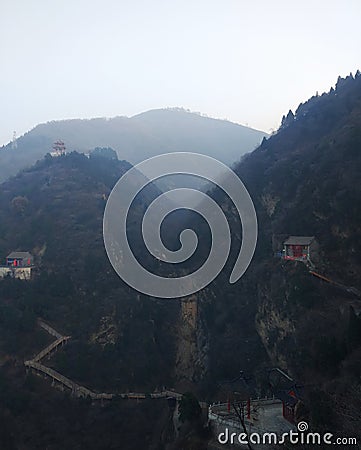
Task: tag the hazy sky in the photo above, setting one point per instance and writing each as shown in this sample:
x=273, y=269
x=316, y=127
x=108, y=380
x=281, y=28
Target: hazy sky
x=249, y=61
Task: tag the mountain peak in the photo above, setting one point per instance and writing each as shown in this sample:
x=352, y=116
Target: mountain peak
x=134, y=139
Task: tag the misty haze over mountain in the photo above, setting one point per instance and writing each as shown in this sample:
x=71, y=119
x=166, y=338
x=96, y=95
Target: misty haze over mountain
x=135, y=138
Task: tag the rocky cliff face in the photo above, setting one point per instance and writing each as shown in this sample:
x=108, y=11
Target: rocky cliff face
x=311, y=330
x=273, y=326
x=192, y=345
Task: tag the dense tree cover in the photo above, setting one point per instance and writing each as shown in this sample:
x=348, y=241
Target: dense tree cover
x=118, y=336
x=120, y=340
x=104, y=152
x=304, y=180
x=309, y=171
x=34, y=415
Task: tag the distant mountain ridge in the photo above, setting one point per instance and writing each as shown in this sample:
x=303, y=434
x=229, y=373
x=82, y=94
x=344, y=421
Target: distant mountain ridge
x=135, y=139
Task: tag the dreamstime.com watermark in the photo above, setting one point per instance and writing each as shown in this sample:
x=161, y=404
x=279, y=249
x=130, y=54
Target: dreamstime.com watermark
x=130, y=185
x=301, y=436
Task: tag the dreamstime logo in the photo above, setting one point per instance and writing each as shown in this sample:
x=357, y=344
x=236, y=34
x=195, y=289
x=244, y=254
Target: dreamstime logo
x=302, y=426
x=301, y=436
x=137, y=178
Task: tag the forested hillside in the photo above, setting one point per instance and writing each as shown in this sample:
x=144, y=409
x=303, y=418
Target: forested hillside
x=304, y=181
x=135, y=138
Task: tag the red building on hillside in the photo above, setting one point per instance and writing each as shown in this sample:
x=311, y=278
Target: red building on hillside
x=299, y=248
